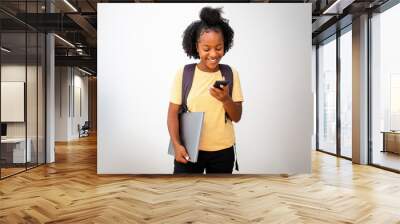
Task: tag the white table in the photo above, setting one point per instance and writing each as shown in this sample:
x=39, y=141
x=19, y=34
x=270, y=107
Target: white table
x=19, y=155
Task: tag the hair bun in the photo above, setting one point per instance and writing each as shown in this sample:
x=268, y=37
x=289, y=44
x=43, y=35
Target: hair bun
x=211, y=16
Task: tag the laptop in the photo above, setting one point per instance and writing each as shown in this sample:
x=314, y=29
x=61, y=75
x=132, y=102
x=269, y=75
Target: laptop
x=191, y=124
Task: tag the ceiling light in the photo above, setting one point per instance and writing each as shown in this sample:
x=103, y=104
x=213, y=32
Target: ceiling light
x=5, y=50
x=86, y=72
x=337, y=7
x=70, y=5
x=64, y=40
x=79, y=51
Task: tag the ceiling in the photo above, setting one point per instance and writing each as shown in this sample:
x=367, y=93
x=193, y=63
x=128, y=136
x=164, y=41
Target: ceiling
x=76, y=22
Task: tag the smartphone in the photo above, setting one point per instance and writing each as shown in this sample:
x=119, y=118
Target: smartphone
x=218, y=83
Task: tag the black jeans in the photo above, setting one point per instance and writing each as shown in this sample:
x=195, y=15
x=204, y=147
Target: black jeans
x=220, y=161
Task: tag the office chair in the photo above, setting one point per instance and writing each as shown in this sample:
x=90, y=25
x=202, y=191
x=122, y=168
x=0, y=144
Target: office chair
x=84, y=130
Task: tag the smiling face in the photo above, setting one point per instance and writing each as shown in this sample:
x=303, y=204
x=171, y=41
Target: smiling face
x=210, y=47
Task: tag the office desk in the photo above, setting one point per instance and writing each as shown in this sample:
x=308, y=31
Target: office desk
x=391, y=141
x=13, y=150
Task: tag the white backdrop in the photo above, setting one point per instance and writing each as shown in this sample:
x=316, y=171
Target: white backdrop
x=139, y=51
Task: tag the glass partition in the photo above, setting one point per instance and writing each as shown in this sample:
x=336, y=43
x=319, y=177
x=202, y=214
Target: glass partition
x=13, y=110
x=22, y=67
x=41, y=91
x=31, y=100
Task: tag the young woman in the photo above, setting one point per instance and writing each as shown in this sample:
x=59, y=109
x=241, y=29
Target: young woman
x=207, y=39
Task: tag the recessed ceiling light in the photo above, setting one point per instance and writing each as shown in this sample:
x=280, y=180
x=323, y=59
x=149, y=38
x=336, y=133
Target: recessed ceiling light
x=337, y=7
x=84, y=71
x=70, y=5
x=64, y=40
x=5, y=50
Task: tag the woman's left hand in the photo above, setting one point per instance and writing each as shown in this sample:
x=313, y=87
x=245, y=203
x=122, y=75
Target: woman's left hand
x=220, y=94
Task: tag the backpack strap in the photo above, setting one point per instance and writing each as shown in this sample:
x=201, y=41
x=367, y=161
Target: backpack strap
x=227, y=73
x=187, y=80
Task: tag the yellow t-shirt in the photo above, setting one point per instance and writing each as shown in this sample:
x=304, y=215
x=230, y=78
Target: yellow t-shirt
x=216, y=134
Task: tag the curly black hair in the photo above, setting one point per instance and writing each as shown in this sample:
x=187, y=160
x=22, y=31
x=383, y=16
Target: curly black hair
x=210, y=19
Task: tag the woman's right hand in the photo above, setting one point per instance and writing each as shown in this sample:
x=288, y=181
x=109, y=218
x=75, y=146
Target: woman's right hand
x=181, y=154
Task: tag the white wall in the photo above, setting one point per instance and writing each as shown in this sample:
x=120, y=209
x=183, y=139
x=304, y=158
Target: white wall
x=79, y=117
x=137, y=61
x=61, y=103
x=67, y=85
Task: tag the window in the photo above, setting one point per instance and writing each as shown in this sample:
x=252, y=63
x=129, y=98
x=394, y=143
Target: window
x=346, y=94
x=327, y=96
x=385, y=89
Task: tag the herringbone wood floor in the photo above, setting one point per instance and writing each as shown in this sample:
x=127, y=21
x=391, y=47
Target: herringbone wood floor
x=69, y=191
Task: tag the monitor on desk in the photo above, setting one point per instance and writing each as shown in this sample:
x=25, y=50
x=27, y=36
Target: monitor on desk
x=3, y=130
